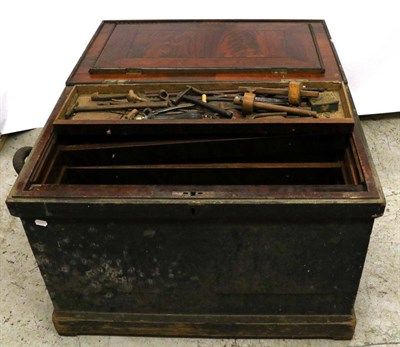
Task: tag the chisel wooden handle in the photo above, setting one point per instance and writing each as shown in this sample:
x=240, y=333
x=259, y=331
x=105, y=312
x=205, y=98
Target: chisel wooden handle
x=278, y=91
x=248, y=104
x=288, y=109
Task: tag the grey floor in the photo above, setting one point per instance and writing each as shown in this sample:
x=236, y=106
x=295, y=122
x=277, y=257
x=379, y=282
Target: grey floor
x=25, y=307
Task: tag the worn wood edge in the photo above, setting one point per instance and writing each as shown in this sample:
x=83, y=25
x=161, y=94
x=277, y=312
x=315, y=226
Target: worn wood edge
x=3, y=139
x=338, y=327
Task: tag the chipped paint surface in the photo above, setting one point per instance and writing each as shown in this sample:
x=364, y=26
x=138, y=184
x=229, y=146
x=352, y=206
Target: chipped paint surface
x=202, y=267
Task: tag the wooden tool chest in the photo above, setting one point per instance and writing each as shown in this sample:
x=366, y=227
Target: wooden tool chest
x=202, y=178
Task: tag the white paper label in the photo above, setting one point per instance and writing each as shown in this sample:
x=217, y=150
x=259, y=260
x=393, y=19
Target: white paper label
x=41, y=223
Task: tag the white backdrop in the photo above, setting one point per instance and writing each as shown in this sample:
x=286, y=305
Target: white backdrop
x=41, y=41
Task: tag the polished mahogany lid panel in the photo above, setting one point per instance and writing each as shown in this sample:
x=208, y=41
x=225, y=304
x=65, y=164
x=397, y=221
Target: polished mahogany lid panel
x=207, y=50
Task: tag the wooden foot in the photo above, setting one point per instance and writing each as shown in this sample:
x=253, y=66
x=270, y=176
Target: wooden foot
x=218, y=326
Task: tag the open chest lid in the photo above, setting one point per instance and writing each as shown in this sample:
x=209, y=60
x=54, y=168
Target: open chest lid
x=207, y=50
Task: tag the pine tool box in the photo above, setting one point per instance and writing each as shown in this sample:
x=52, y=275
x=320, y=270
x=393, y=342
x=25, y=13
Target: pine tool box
x=202, y=178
